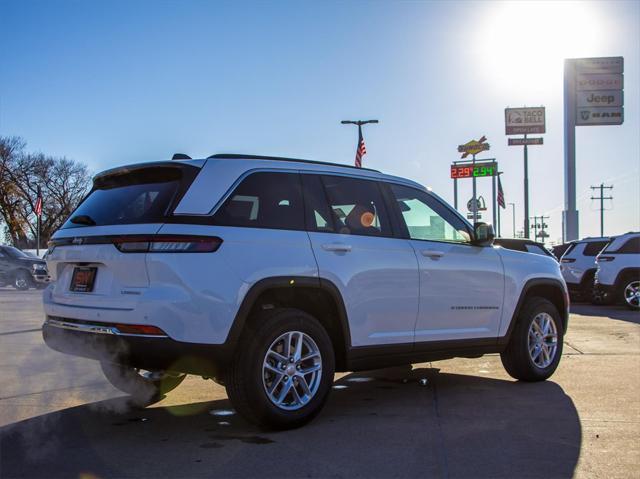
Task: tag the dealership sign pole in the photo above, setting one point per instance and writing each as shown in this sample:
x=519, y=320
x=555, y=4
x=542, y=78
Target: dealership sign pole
x=524, y=121
x=472, y=148
x=593, y=95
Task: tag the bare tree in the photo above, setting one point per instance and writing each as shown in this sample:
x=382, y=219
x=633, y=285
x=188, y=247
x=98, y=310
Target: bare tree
x=63, y=183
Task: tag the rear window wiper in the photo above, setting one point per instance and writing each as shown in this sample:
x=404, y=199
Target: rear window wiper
x=83, y=220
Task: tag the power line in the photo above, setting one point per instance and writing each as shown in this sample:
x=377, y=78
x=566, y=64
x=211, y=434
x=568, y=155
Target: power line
x=602, y=198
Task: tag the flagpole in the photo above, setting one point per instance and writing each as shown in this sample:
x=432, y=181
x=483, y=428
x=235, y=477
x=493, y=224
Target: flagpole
x=494, y=203
x=38, y=237
x=38, y=216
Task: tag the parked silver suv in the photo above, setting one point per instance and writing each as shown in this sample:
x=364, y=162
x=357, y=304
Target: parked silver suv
x=618, y=275
x=270, y=274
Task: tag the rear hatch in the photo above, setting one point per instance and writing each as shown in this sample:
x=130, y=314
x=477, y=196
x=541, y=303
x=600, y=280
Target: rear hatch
x=98, y=257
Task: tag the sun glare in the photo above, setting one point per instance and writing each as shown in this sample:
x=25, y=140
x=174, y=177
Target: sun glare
x=522, y=44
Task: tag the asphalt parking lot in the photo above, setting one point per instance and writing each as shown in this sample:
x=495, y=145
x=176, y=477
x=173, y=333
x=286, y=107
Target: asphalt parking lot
x=60, y=418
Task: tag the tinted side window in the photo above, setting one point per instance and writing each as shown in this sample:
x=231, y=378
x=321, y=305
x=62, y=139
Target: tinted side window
x=593, y=248
x=356, y=206
x=632, y=246
x=428, y=219
x=264, y=200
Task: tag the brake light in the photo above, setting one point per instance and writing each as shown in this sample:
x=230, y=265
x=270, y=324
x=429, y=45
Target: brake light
x=568, y=260
x=167, y=244
x=140, y=329
x=605, y=258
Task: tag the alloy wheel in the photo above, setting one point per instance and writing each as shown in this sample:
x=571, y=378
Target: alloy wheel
x=543, y=340
x=632, y=294
x=292, y=370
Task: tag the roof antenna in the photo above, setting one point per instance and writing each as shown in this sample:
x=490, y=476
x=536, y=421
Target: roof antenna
x=180, y=156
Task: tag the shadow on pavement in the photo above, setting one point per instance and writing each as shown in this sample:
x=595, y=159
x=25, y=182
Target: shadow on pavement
x=376, y=424
x=618, y=312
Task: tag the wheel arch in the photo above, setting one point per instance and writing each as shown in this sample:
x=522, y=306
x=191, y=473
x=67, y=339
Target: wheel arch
x=316, y=296
x=625, y=272
x=548, y=288
x=588, y=275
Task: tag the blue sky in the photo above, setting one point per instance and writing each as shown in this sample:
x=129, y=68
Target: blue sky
x=109, y=83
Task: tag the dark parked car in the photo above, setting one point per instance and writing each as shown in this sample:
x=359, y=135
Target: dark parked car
x=20, y=270
x=526, y=245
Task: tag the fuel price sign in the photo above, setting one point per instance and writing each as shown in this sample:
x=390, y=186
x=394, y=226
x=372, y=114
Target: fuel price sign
x=477, y=170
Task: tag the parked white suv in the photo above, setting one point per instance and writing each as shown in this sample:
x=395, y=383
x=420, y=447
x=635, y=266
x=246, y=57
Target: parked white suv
x=578, y=266
x=618, y=275
x=270, y=274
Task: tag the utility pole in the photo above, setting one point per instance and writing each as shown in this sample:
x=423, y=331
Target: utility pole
x=513, y=210
x=542, y=225
x=526, y=190
x=602, y=198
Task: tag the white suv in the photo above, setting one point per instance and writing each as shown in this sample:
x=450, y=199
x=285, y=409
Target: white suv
x=578, y=266
x=618, y=275
x=270, y=274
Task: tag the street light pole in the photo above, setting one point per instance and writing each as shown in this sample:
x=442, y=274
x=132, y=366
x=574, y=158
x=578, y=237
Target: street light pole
x=513, y=209
x=359, y=124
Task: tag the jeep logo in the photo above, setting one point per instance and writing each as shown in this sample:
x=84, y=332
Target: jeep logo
x=77, y=241
x=605, y=99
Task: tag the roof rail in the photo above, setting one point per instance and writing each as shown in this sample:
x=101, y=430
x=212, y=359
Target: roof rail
x=236, y=156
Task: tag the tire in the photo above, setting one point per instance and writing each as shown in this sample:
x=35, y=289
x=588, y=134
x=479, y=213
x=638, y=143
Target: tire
x=258, y=366
x=629, y=292
x=21, y=280
x=143, y=386
x=517, y=359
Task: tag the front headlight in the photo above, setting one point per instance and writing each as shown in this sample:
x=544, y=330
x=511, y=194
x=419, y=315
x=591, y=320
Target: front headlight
x=36, y=267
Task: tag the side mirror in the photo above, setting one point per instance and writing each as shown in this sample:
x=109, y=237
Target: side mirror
x=483, y=234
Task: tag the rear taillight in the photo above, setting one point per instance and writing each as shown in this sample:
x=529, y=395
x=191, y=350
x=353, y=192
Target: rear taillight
x=167, y=244
x=568, y=260
x=605, y=258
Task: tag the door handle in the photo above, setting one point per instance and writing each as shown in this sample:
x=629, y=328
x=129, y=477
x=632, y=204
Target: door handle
x=432, y=254
x=338, y=247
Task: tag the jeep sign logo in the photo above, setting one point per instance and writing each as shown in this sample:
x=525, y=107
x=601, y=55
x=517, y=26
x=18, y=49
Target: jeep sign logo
x=599, y=98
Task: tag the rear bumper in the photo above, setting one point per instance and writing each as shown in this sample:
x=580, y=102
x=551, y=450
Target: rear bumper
x=159, y=353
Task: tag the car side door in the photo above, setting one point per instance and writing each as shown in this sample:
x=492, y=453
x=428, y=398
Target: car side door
x=353, y=241
x=461, y=284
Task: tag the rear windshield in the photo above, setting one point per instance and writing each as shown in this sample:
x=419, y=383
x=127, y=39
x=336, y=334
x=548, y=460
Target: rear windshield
x=141, y=196
x=594, y=247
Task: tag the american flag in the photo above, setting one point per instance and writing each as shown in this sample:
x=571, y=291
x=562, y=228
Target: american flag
x=361, y=150
x=501, y=195
x=38, y=208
